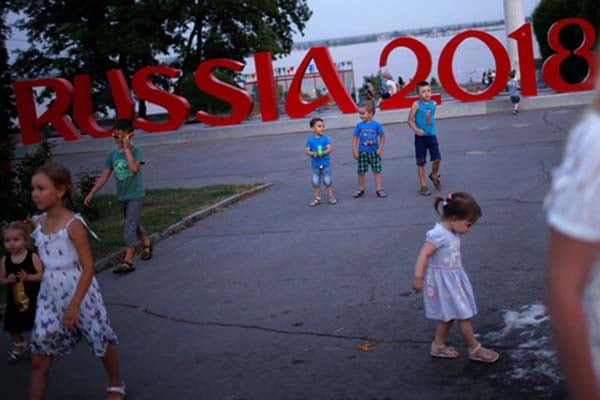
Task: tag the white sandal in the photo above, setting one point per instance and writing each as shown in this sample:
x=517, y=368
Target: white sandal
x=117, y=389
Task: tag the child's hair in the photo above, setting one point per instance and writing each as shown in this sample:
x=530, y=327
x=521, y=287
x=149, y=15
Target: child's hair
x=123, y=124
x=22, y=226
x=60, y=176
x=315, y=120
x=458, y=205
x=422, y=84
x=368, y=105
x=512, y=74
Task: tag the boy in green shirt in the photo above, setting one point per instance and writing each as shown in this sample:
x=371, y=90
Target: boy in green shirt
x=126, y=161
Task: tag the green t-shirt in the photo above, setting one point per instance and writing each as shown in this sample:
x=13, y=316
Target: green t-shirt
x=129, y=185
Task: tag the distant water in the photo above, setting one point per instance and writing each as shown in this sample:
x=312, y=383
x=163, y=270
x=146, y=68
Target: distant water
x=470, y=60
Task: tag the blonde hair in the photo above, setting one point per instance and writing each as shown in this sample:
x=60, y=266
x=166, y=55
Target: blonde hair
x=24, y=227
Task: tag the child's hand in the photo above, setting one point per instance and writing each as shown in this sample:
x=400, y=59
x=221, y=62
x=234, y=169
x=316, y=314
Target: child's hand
x=22, y=275
x=88, y=199
x=355, y=154
x=420, y=132
x=70, y=319
x=417, y=284
x=127, y=141
x=11, y=278
x=378, y=152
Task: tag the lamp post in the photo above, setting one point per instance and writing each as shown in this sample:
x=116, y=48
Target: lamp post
x=513, y=19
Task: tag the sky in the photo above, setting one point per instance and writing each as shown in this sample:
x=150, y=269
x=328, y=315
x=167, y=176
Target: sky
x=339, y=18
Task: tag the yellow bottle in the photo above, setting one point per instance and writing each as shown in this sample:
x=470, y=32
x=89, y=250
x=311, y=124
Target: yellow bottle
x=21, y=299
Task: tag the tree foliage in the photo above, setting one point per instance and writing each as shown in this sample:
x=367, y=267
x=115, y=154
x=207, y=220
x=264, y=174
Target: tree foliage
x=71, y=37
x=574, y=68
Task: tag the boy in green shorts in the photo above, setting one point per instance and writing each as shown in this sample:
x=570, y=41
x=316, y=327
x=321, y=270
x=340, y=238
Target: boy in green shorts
x=368, y=140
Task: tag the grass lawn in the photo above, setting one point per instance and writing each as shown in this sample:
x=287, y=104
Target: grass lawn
x=162, y=208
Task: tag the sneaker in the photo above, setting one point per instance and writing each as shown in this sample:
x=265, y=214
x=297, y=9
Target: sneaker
x=424, y=191
x=515, y=112
x=332, y=200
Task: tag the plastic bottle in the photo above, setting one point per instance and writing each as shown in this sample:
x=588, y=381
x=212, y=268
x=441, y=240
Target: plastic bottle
x=319, y=151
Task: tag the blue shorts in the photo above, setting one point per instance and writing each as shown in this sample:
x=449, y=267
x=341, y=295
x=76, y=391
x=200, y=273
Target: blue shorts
x=322, y=175
x=515, y=99
x=424, y=144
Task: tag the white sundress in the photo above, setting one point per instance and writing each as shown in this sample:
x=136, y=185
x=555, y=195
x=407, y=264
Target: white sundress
x=447, y=291
x=573, y=208
x=62, y=271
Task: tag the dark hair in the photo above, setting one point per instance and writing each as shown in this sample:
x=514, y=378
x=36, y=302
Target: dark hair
x=24, y=227
x=421, y=84
x=123, y=124
x=315, y=120
x=459, y=205
x=60, y=177
x=368, y=105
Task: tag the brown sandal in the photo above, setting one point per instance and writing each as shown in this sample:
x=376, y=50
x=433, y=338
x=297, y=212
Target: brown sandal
x=147, y=252
x=124, y=267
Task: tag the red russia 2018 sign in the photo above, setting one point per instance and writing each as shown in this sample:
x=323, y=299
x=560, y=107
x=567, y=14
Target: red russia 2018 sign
x=77, y=95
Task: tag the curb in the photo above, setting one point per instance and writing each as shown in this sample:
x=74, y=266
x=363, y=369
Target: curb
x=186, y=222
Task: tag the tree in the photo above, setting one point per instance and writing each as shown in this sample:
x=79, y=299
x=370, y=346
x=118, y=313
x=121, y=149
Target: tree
x=72, y=37
x=7, y=128
x=574, y=69
x=233, y=29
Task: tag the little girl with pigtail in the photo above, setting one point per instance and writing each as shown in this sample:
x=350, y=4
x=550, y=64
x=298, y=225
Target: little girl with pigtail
x=439, y=274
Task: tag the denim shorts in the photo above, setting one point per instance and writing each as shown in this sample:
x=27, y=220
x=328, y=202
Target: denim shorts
x=424, y=144
x=321, y=175
x=515, y=99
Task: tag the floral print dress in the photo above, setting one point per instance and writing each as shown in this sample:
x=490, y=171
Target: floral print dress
x=62, y=271
x=447, y=291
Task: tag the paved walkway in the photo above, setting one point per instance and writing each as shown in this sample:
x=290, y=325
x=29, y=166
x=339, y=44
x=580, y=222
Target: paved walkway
x=270, y=298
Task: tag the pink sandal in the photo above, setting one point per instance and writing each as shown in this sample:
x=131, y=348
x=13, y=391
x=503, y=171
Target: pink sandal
x=481, y=354
x=443, y=351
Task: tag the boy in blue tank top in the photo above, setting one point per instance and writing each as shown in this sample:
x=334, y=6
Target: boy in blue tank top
x=421, y=120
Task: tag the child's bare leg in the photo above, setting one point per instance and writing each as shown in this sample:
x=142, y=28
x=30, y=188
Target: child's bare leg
x=377, y=176
x=442, y=330
x=330, y=191
x=38, y=377
x=111, y=366
x=144, y=238
x=435, y=168
x=129, y=253
x=361, y=181
x=421, y=173
x=317, y=192
x=16, y=337
x=466, y=330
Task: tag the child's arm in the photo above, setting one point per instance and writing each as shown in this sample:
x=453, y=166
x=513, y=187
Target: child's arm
x=355, y=147
x=569, y=266
x=381, y=144
x=133, y=164
x=5, y=280
x=328, y=149
x=411, y=119
x=308, y=152
x=78, y=234
x=39, y=270
x=99, y=183
x=426, y=251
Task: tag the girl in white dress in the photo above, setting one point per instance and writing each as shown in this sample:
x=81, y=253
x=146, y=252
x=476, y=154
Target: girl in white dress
x=573, y=265
x=69, y=305
x=447, y=292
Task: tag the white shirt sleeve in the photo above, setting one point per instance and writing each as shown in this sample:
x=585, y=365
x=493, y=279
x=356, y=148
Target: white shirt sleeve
x=573, y=204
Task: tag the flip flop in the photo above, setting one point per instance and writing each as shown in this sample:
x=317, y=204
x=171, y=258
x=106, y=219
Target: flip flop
x=124, y=267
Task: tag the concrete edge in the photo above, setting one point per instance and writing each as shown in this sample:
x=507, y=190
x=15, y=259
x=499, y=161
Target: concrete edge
x=186, y=222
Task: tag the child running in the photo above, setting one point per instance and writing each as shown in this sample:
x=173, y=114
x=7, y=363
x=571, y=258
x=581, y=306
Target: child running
x=421, y=119
x=368, y=140
x=21, y=269
x=448, y=294
x=126, y=161
x=318, y=147
x=70, y=306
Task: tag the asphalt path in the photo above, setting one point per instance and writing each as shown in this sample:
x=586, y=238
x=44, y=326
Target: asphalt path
x=270, y=298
